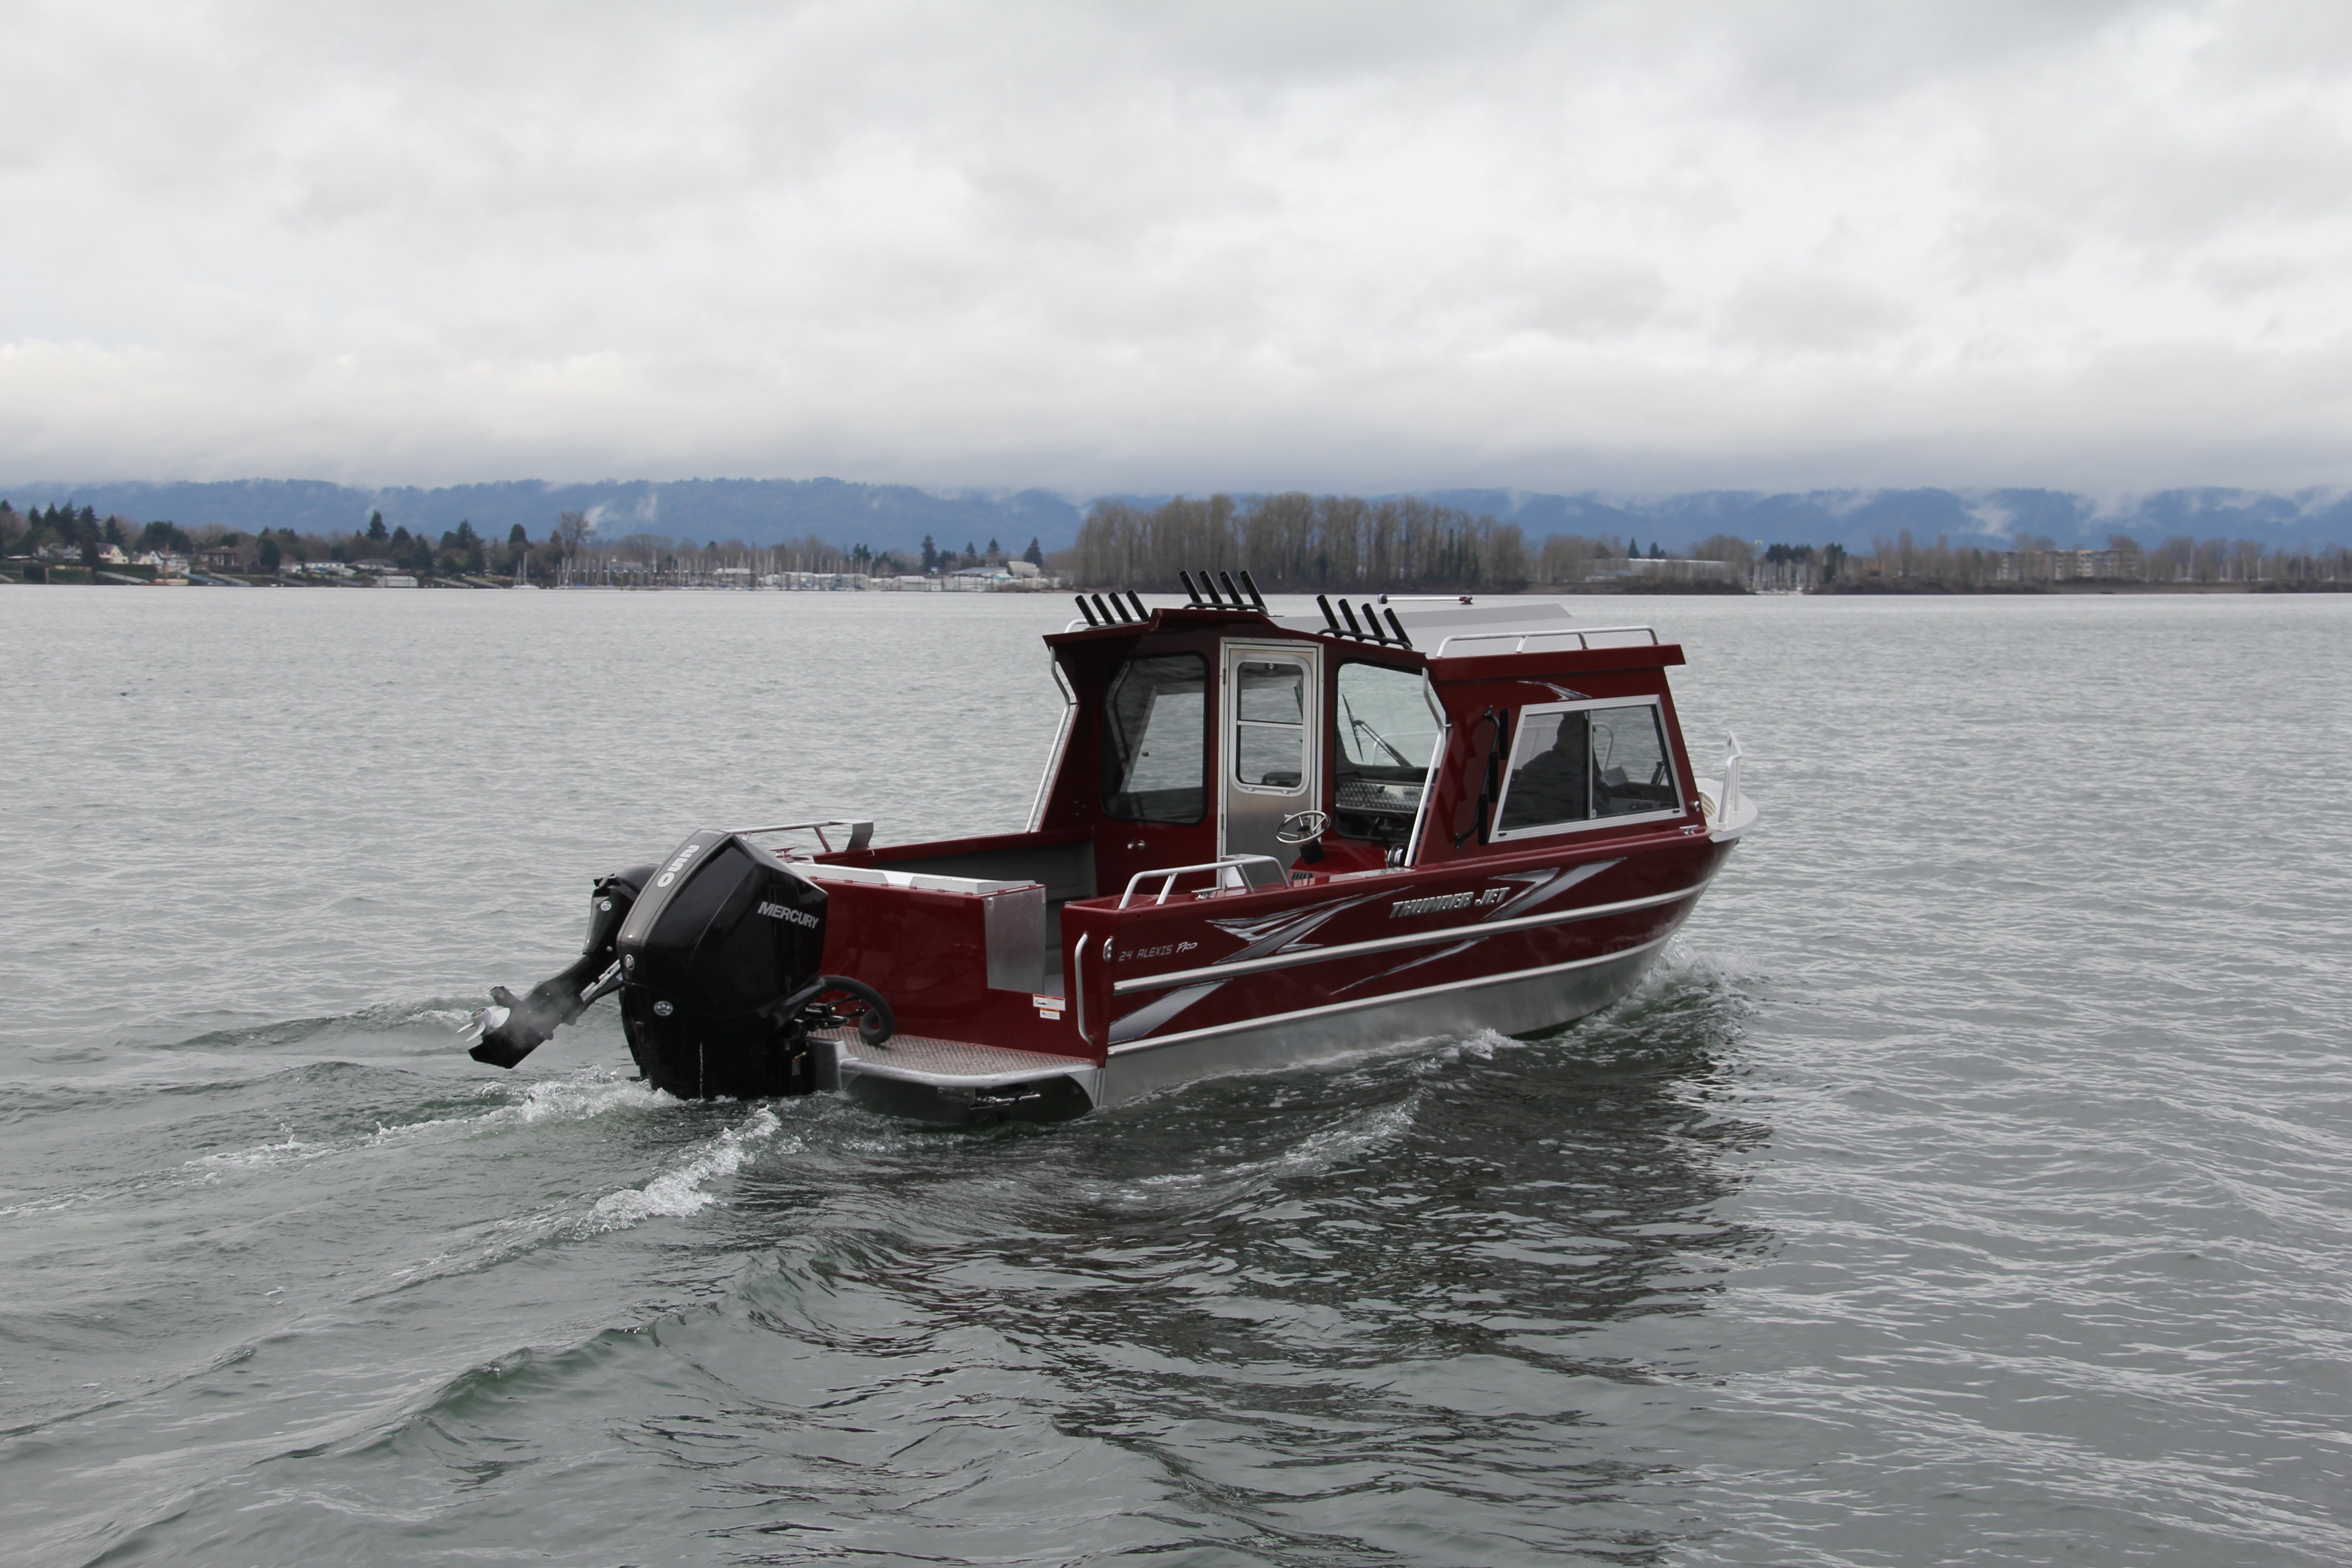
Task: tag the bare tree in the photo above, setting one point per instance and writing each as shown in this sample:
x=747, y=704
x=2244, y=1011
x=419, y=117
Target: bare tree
x=1730, y=549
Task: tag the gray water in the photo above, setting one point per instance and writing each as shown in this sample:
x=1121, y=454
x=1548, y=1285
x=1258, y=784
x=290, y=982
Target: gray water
x=1968, y=1185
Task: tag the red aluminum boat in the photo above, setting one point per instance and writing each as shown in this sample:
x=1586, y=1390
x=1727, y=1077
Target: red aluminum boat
x=1259, y=841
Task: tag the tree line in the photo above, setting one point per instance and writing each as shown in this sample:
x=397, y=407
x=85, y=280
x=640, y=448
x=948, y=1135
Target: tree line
x=65, y=530
x=1295, y=542
x=2032, y=561
x=1287, y=543
x=571, y=550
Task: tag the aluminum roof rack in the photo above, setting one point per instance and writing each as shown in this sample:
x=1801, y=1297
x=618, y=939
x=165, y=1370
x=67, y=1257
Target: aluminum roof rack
x=1518, y=640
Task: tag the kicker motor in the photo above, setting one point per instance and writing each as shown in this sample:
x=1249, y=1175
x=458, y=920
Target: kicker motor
x=716, y=952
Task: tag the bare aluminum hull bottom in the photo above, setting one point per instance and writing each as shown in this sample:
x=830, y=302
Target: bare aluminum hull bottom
x=1530, y=1002
x=940, y=1086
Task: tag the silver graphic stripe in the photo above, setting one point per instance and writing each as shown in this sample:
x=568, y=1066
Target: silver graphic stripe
x=1391, y=998
x=1390, y=944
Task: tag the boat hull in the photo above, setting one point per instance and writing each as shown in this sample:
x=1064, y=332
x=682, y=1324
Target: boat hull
x=951, y=1083
x=1164, y=994
x=1530, y=1002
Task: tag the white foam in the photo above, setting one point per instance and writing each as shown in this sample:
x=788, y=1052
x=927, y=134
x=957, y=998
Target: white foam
x=553, y=1100
x=576, y=1099
x=683, y=1191
x=1320, y=1150
x=263, y=1157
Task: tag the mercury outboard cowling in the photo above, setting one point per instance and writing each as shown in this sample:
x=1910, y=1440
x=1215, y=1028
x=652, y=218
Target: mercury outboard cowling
x=715, y=952
x=720, y=984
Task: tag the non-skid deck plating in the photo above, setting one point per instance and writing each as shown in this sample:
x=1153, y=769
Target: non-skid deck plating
x=922, y=1059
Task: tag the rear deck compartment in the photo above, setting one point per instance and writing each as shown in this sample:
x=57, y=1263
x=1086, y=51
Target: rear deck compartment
x=964, y=938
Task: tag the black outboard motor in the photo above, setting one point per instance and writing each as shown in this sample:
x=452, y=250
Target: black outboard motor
x=716, y=953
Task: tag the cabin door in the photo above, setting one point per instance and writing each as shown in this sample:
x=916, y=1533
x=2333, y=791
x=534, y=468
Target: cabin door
x=1270, y=758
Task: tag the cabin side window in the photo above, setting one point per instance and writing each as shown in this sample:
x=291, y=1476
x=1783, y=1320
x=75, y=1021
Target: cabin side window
x=1578, y=765
x=1385, y=735
x=1156, y=740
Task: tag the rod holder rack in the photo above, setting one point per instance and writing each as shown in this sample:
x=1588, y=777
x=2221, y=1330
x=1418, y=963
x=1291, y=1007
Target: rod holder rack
x=1116, y=613
x=1204, y=595
x=1368, y=630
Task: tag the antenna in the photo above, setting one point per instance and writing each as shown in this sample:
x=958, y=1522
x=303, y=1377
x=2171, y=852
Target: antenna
x=1087, y=610
x=1398, y=627
x=1372, y=623
x=1189, y=588
x=1232, y=592
x=1349, y=617
x=1252, y=590
x=1137, y=600
x=1329, y=619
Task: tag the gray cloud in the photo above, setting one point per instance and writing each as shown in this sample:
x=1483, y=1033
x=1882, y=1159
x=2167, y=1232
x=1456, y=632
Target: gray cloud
x=1109, y=246
x=1789, y=312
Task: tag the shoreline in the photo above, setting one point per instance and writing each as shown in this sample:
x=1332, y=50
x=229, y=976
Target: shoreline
x=16, y=574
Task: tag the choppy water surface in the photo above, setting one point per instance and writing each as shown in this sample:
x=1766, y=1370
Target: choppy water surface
x=1969, y=1186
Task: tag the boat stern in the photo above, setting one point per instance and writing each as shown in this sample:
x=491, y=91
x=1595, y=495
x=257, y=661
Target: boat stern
x=955, y=1083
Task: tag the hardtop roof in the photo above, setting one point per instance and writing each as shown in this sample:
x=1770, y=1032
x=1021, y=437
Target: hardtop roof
x=1456, y=618
x=1524, y=629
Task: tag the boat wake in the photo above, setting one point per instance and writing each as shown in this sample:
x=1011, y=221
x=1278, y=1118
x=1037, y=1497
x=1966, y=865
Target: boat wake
x=686, y=1189
x=438, y=1014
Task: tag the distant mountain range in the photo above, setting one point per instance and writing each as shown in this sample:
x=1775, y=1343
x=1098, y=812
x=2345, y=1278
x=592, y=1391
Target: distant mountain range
x=896, y=517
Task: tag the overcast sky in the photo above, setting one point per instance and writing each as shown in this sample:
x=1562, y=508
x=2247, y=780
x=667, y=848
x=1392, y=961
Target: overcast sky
x=1644, y=246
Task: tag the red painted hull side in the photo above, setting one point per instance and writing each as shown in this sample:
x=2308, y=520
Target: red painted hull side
x=1379, y=910
x=1489, y=917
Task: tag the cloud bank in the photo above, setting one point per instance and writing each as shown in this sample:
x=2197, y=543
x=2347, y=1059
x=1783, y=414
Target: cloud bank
x=1646, y=247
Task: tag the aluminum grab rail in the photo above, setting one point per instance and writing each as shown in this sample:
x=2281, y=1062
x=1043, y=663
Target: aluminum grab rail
x=1224, y=866
x=1061, y=747
x=1579, y=633
x=861, y=834
x=1731, y=756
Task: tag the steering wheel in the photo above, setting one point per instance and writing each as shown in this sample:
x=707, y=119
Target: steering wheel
x=1301, y=827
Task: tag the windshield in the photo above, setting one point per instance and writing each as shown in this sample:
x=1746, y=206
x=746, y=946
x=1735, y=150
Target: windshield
x=1386, y=737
